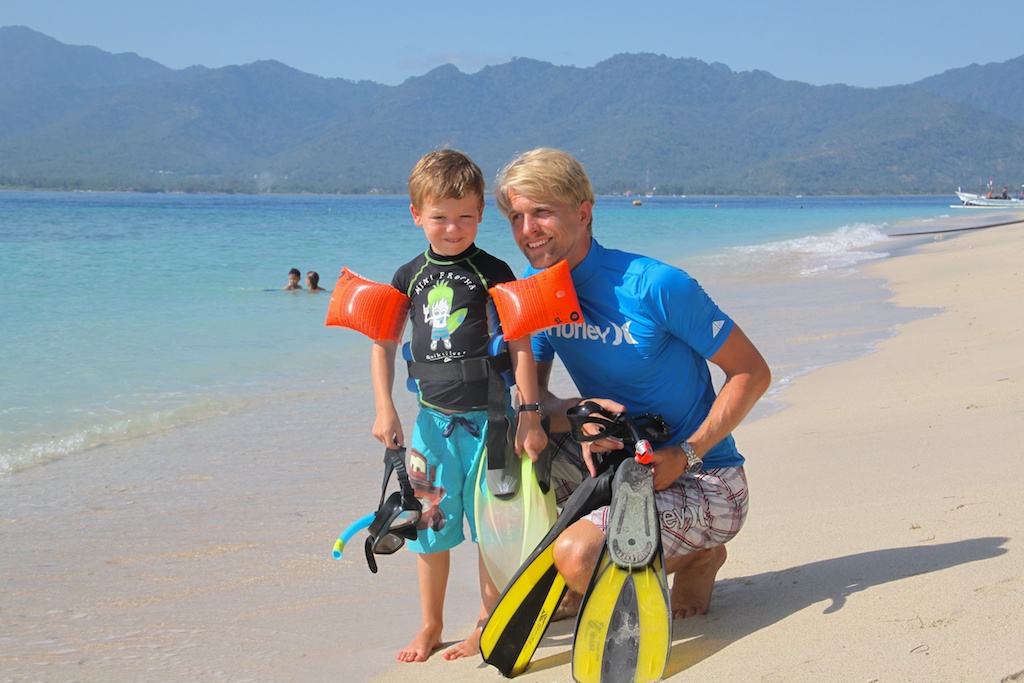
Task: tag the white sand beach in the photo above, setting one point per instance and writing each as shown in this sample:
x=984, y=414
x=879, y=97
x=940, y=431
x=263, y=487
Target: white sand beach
x=881, y=543
x=885, y=503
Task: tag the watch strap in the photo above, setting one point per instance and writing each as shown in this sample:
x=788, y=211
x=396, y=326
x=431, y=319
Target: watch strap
x=693, y=463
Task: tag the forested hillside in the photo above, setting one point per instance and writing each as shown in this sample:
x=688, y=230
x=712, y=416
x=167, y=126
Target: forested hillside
x=77, y=117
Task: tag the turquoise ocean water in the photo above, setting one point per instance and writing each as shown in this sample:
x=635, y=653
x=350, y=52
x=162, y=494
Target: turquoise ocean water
x=128, y=315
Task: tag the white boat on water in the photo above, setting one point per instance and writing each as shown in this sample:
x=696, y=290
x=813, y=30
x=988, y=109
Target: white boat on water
x=987, y=201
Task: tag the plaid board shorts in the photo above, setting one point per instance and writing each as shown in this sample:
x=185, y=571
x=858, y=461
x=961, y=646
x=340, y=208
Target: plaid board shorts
x=697, y=511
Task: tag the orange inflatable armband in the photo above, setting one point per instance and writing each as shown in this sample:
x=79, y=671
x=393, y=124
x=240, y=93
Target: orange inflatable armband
x=543, y=300
x=378, y=311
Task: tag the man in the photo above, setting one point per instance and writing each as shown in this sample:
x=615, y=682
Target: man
x=666, y=328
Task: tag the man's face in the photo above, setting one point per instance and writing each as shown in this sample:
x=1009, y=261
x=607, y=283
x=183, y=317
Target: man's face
x=548, y=231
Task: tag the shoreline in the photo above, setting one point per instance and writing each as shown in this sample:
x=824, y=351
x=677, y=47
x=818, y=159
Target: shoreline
x=63, y=397
x=909, y=564
x=888, y=558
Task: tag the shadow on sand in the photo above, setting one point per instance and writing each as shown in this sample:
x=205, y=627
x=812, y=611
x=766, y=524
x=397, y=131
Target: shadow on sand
x=770, y=597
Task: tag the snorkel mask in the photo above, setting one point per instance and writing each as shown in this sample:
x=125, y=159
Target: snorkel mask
x=396, y=518
x=591, y=422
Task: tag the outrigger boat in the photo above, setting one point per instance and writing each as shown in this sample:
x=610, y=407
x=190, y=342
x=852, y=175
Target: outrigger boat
x=987, y=201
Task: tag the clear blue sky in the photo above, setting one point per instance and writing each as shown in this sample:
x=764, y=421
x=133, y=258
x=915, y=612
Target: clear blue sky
x=866, y=43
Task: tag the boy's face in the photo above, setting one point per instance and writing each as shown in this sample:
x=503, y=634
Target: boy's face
x=449, y=224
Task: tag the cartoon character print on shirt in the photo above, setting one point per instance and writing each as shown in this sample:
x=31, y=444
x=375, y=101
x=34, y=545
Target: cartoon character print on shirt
x=423, y=477
x=437, y=312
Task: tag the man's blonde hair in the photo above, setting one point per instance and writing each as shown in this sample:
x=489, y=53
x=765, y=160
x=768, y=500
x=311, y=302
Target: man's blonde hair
x=544, y=174
x=445, y=174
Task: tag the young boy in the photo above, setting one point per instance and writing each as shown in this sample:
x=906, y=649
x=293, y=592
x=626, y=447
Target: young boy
x=450, y=316
x=294, y=275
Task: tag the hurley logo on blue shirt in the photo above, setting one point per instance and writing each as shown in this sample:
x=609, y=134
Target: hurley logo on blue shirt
x=586, y=332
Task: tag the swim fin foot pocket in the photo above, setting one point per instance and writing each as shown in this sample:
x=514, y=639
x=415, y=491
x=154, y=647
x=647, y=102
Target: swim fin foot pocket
x=504, y=482
x=633, y=530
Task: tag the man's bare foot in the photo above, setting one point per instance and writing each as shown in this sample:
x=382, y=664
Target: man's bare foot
x=422, y=646
x=467, y=648
x=695, y=581
x=569, y=607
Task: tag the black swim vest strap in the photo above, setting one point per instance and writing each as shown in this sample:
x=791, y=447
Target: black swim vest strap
x=474, y=370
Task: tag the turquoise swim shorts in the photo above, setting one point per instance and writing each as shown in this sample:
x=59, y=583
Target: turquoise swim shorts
x=443, y=460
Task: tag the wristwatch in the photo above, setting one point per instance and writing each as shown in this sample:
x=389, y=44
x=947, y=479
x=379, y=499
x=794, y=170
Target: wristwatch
x=693, y=463
x=529, y=407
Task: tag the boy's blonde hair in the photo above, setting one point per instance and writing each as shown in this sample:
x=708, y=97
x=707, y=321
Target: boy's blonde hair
x=445, y=174
x=544, y=174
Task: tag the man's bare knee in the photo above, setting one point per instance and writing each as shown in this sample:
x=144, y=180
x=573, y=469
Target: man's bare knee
x=576, y=552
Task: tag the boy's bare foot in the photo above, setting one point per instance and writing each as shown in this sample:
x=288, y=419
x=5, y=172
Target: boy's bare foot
x=422, y=646
x=695, y=581
x=467, y=648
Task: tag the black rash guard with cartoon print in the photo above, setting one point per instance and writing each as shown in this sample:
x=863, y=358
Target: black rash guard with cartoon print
x=453, y=318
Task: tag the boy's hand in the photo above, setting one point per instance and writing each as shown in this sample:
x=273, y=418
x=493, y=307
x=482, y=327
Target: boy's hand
x=530, y=436
x=387, y=428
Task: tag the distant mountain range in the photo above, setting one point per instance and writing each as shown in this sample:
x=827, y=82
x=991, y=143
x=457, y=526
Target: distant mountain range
x=75, y=117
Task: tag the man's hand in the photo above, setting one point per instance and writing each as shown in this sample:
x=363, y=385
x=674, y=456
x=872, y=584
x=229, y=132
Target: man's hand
x=601, y=445
x=669, y=465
